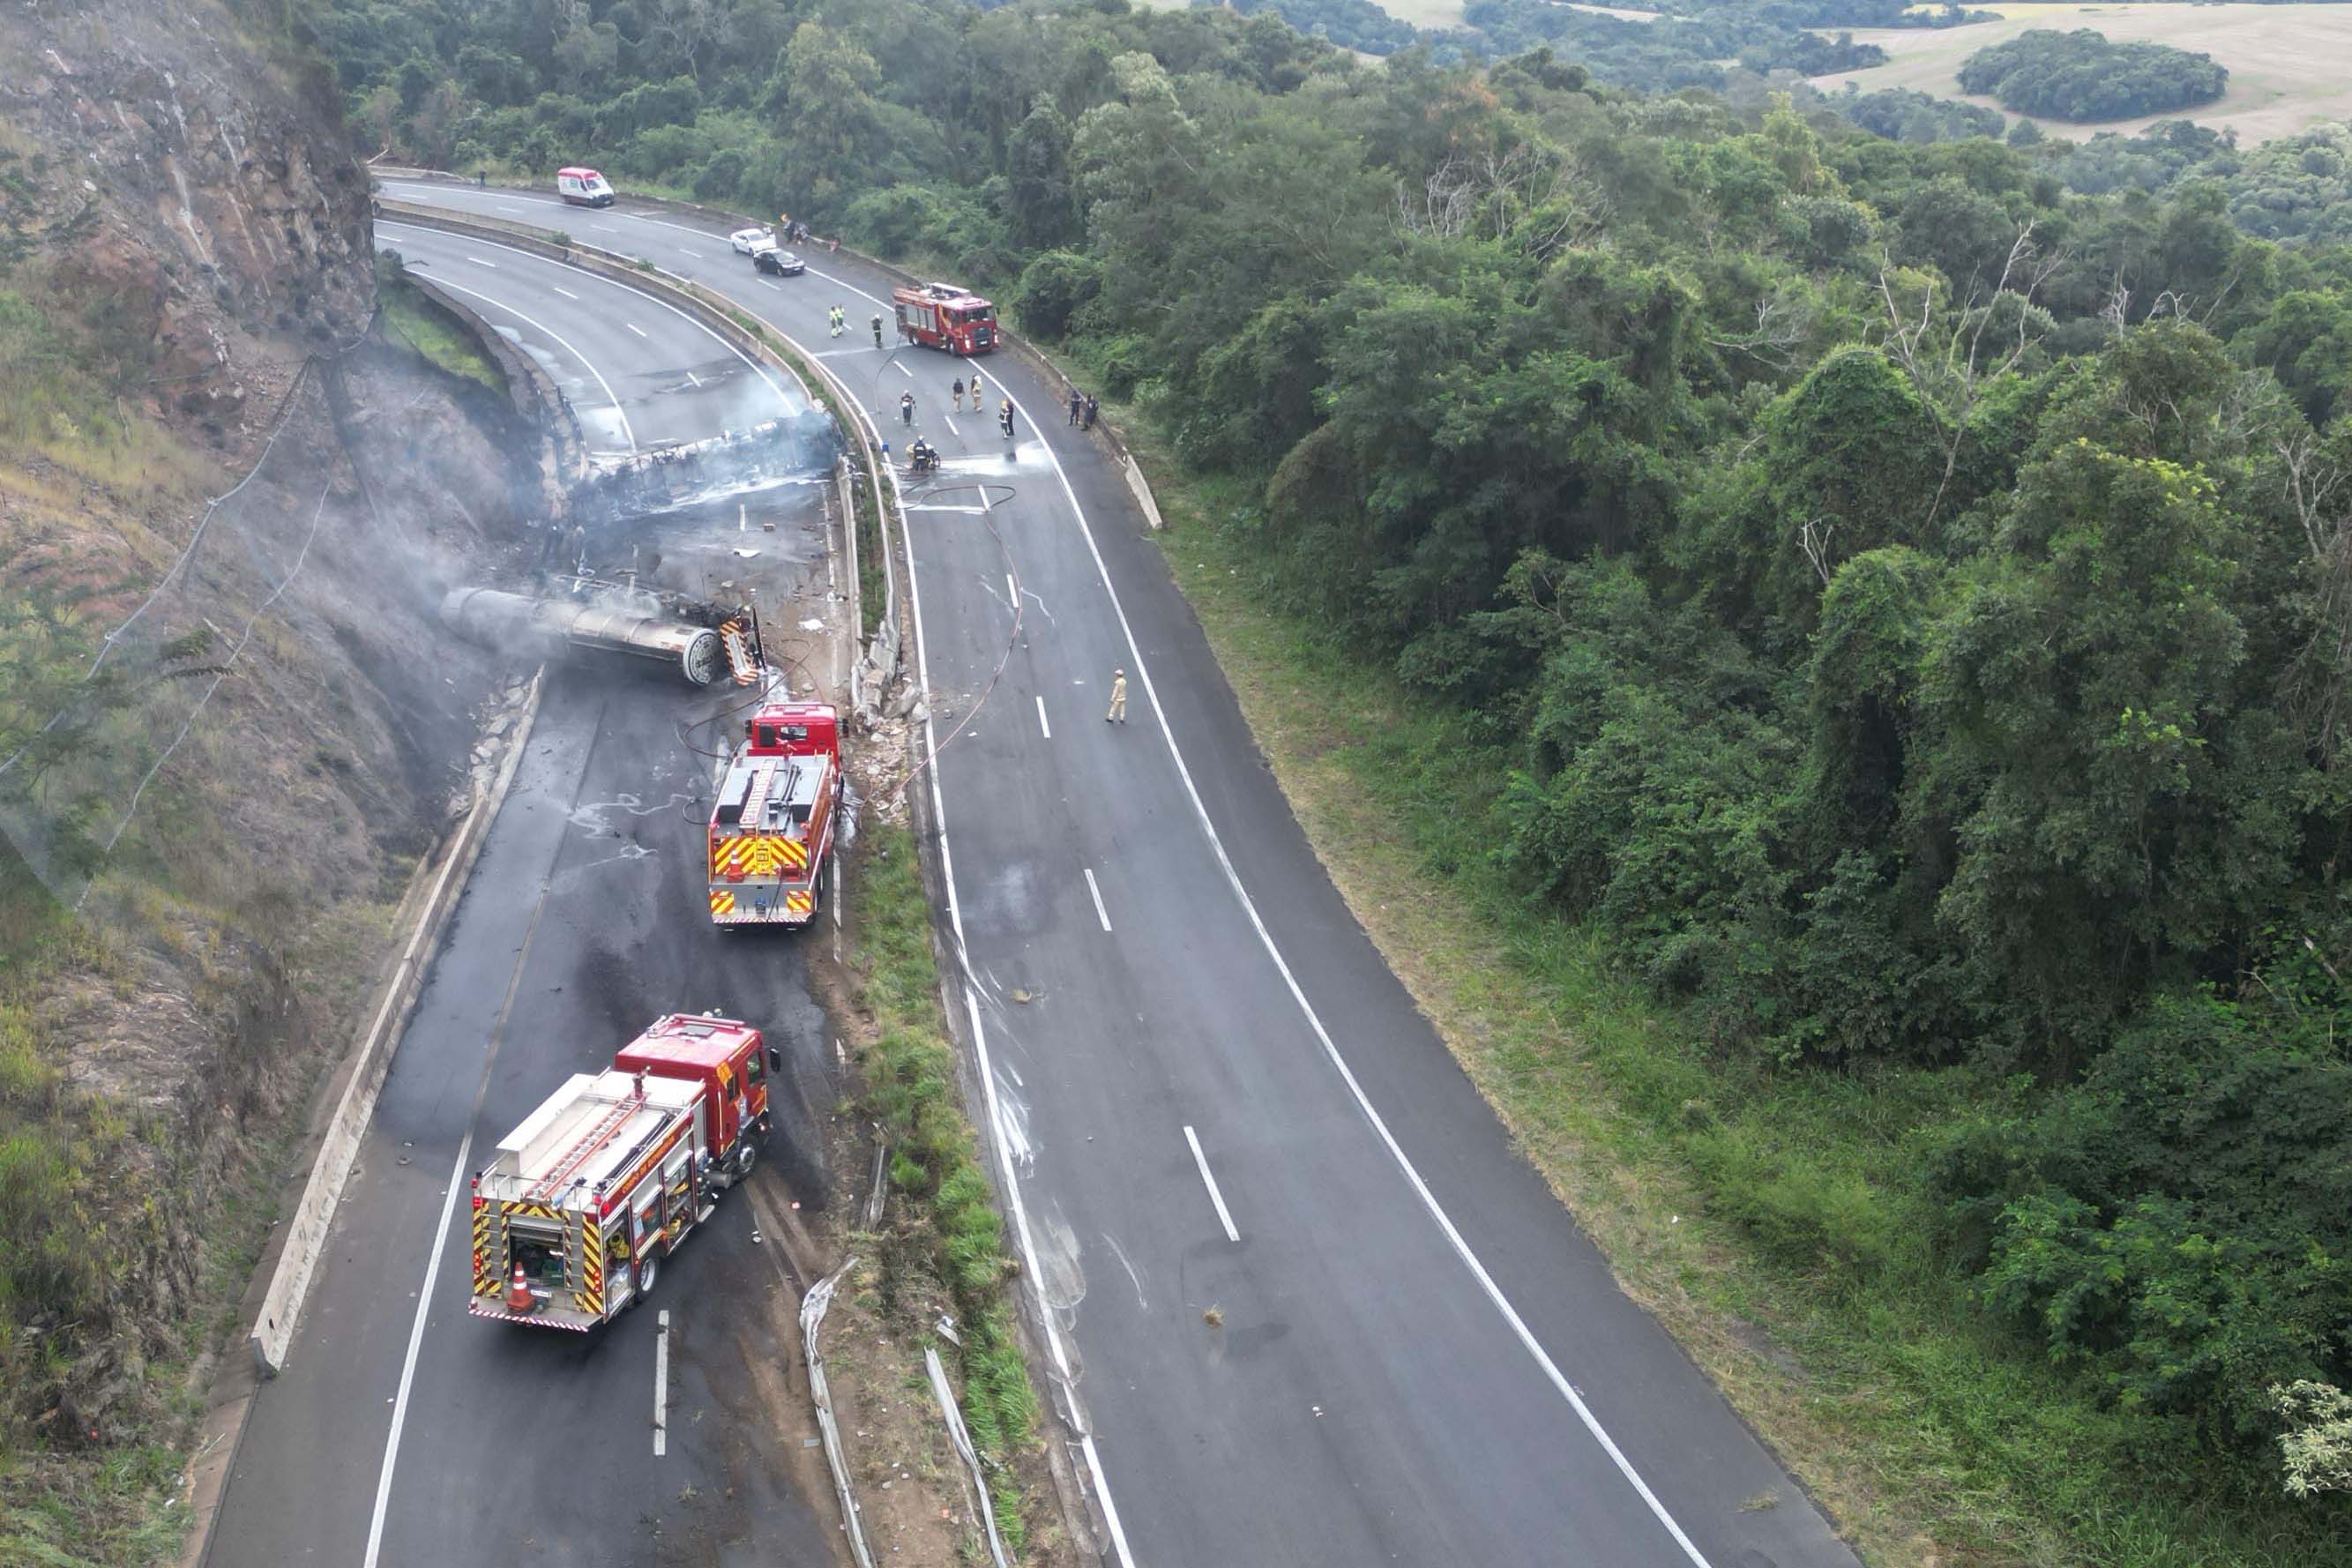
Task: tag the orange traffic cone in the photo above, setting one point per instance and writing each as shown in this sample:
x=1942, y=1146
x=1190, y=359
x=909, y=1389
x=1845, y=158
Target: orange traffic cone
x=519, y=1296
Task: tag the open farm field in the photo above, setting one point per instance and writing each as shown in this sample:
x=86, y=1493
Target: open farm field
x=2287, y=62
x=1420, y=13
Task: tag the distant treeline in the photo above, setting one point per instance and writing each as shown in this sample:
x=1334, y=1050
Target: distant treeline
x=2083, y=75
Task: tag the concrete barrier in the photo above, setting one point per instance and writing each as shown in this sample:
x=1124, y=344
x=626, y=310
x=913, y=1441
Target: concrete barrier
x=304, y=1232
x=563, y=451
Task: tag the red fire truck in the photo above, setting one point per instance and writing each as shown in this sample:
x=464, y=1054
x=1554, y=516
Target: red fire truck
x=575, y=1213
x=944, y=316
x=771, y=825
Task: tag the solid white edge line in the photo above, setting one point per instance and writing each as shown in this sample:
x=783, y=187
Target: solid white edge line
x=626, y=434
x=1093, y=888
x=1048, y=728
x=1494, y=1292
x=1012, y=1180
x=1363, y=1102
x=661, y=1384
x=757, y=369
x=1224, y=1215
x=415, y=1342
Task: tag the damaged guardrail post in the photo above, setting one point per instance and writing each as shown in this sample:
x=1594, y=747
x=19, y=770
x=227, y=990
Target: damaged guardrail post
x=813, y=1308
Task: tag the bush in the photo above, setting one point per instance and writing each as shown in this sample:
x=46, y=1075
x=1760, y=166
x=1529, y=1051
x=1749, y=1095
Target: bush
x=918, y=220
x=1052, y=288
x=2082, y=76
x=2178, y=1226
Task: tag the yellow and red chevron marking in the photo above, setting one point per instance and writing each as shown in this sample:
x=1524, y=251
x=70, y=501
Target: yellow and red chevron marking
x=801, y=902
x=757, y=855
x=589, y=1297
x=530, y=1211
x=486, y=1275
x=723, y=902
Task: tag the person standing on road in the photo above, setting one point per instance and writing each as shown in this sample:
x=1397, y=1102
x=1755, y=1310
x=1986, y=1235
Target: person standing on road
x=878, y=331
x=1093, y=406
x=1118, y=714
x=1077, y=405
x=958, y=390
x=1004, y=418
x=833, y=320
x=978, y=402
x=907, y=409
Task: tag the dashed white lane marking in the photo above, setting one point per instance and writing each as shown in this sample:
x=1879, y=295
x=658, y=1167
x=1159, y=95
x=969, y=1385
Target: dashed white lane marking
x=951, y=428
x=636, y=329
x=755, y=367
x=661, y=1384
x=565, y=292
x=1224, y=1215
x=1093, y=889
x=1444, y=1222
x=479, y=262
x=694, y=378
x=415, y=1342
x=626, y=434
x=1012, y=593
x=1048, y=728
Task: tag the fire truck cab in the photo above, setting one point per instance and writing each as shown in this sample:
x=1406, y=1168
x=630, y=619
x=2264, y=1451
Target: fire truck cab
x=944, y=316
x=575, y=1212
x=771, y=823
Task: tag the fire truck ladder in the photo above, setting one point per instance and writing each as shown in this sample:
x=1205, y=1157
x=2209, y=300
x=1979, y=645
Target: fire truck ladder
x=755, y=799
x=597, y=1137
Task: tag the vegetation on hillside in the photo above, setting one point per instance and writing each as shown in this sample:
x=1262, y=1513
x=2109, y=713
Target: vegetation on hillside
x=1901, y=608
x=2082, y=75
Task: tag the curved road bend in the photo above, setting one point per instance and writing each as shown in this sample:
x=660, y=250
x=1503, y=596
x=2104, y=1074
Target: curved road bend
x=577, y=928
x=1218, y=1095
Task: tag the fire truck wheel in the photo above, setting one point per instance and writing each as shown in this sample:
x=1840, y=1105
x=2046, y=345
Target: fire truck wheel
x=648, y=1272
x=746, y=1157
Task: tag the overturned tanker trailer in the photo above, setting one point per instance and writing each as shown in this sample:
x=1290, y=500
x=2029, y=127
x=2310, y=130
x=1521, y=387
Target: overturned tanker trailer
x=635, y=623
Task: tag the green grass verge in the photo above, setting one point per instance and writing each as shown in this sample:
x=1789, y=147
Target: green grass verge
x=412, y=319
x=1769, y=1219
x=910, y=1076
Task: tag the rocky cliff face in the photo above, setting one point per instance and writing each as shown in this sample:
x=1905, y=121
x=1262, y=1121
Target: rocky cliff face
x=185, y=188
x=228, y=725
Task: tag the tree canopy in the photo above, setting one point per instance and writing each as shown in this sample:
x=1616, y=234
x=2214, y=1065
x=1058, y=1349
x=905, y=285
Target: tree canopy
x=1903, y=605
x=2083, y=75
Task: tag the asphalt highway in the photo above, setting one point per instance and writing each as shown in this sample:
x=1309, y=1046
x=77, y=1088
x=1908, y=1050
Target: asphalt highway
x=1306, y=1301
x=403, y=1431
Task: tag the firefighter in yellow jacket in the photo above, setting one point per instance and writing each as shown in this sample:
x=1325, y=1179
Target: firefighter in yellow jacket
x=1118, y=714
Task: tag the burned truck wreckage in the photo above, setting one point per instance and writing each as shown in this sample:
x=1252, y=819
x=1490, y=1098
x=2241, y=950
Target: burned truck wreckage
x=576, y=601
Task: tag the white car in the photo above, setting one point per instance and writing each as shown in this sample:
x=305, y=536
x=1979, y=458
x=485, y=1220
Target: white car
x=752, y=241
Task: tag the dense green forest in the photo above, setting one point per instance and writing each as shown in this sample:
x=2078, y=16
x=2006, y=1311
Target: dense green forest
x=1903, y=605
x=2082, y=75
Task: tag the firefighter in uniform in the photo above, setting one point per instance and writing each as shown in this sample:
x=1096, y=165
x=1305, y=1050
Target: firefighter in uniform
x=958, y=390
x=878, y=331
x=1118, y=714
x=833, y=320
x=1004, y=418
x=905, y=404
